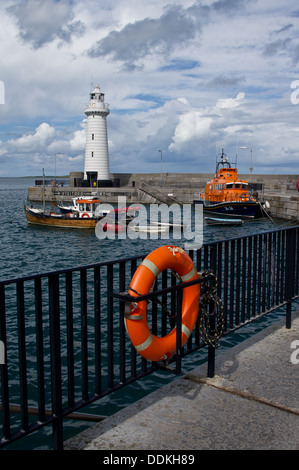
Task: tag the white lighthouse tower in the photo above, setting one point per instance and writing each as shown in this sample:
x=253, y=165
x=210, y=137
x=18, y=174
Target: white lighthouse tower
x=96, y=167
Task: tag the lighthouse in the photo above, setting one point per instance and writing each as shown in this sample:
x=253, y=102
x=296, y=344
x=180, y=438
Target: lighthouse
x=96, y=166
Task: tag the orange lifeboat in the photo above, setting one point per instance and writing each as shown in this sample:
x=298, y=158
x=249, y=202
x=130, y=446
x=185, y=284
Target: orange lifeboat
x=227, y=194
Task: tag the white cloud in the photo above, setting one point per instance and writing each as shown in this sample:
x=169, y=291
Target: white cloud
x=78, y=142
x=182, y=76
x=192, y=126
x=230, y=102
x=43, y=134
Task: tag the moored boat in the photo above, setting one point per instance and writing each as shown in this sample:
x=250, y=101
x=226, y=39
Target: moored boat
x=148, y=228
x=86, y=214
x=223, y=221
x=227, y=194
x=80, y=219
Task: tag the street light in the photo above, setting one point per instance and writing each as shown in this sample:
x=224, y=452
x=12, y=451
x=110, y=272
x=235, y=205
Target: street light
x=161, y=168
x=250, y=169
x=55, y=164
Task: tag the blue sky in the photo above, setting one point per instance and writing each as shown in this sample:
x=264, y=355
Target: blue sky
x=187, y=77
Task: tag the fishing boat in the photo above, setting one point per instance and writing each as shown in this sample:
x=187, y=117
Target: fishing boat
x=227, y=194
x=86, y=214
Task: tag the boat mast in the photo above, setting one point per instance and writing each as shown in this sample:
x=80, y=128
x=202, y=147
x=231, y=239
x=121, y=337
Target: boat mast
x=43, y=190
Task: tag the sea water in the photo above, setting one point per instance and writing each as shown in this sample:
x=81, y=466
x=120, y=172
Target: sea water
x=27, y=250
x=30, y=249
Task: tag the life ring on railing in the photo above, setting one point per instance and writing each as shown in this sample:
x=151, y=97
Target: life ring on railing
x=148, y=345
x=84, y=215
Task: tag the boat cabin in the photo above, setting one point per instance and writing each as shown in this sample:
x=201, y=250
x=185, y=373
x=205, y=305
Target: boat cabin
x=226, y=186
x=87, y=207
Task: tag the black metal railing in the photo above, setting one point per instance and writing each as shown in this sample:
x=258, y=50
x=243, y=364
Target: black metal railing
x=63, y=338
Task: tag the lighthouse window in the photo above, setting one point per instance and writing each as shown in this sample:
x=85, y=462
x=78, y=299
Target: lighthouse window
x=91, y=154
x=92, y=136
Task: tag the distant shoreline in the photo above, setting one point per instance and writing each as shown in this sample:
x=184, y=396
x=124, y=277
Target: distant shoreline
x=39, y=177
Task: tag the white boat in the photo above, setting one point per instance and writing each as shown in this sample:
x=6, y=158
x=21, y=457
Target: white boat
x=76, y=205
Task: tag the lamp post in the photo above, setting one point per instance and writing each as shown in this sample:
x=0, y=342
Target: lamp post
x=55, y=165
x=161, y=168
x=250, y=169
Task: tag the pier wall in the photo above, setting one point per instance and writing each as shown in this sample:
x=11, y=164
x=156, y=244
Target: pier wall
x=183, y=188
x=197, y=181
x=283, y=206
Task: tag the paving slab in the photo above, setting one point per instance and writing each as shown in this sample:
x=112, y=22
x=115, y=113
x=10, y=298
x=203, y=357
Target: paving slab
x=252, y=403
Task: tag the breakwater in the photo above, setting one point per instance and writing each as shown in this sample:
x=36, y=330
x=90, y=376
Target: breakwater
x=182, y=188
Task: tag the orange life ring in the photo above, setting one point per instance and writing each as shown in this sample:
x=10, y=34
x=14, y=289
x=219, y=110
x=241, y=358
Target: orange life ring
x=149, y=346
x=84, y=215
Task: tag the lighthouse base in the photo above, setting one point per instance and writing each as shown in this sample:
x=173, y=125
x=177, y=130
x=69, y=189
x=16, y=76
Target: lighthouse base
x=92, y=181
x=104, y=183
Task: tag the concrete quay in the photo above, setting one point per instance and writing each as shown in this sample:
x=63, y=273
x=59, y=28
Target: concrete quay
x=169, y=188
x=252, y=403
x=283, y=205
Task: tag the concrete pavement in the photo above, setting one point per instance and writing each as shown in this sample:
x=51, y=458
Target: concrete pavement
x=252, y=403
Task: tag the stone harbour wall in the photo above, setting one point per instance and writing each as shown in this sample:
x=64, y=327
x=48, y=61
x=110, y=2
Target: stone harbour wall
x=183, y=188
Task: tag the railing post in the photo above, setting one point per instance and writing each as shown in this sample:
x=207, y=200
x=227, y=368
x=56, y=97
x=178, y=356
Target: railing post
x=289, y=274
x=55, y=351
x=4, y=370
x=211, y=361
x=22, y=355
x=178, y=361
x=212, y=324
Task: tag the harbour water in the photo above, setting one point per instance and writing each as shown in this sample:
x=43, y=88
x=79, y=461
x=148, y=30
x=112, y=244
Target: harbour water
x=28, y=250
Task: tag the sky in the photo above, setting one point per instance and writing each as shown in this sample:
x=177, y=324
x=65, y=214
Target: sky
x=183, y=79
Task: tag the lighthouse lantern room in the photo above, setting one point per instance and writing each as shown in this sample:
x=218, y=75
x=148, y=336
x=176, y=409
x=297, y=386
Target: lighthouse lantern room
x=96, y=167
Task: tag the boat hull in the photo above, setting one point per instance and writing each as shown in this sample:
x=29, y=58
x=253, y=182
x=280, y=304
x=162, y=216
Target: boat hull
x=245, y=210
x=51, y=220
x=218, y=221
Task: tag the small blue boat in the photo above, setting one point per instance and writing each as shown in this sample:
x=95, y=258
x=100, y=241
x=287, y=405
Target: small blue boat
x=218, y=221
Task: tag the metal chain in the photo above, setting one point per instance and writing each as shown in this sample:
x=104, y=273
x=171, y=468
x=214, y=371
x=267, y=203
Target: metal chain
x=207, y=298
x=211, y=323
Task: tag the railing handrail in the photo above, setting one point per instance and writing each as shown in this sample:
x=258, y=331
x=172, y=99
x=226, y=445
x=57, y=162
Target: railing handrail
x=129, y=258
x=275, y=283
